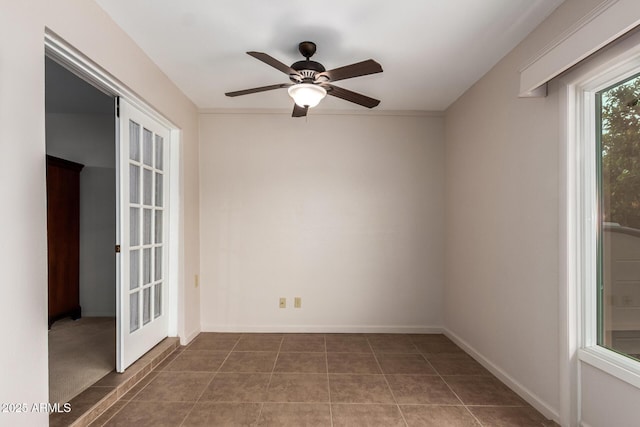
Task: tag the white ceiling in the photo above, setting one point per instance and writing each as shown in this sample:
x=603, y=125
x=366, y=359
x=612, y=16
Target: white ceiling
x=431, y=50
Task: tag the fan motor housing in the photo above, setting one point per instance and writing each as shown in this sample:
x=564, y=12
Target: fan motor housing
x=308, y=64
x=307, y=69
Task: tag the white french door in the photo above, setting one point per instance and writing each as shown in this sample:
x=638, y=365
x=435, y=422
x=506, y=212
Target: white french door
x=143, y=175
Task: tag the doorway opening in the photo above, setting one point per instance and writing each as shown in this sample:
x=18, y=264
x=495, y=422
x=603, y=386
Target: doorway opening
x=81, y=200
x=144, y=244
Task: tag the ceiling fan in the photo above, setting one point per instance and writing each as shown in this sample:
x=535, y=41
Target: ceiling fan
x=311, y=82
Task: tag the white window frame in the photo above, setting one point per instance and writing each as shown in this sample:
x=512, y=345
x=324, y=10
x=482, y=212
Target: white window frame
x=580, y=216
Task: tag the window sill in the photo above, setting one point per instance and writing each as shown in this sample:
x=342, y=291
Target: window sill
x=612, y=363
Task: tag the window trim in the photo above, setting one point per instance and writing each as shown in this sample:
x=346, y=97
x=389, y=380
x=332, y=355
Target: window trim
x=579, y=220
x=602, y=25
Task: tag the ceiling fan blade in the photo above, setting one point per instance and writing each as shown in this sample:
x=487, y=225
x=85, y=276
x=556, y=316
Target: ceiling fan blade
x=299, y=111
x=270, y=60
x=351, y=96
x=258, y=89
x=354, y=70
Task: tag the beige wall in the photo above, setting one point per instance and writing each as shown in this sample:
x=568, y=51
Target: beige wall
x=502, y=207
x=502, y=226
x=23, y=305
x=344, y=211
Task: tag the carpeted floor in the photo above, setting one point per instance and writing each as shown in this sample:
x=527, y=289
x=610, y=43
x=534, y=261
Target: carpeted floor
x=80, y=353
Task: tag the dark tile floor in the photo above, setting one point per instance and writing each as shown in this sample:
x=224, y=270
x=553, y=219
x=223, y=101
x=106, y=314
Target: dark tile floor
x=320, y=380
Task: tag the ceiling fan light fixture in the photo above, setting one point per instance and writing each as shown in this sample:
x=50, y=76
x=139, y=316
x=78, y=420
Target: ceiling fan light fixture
x=310, y=82
x=307, y=94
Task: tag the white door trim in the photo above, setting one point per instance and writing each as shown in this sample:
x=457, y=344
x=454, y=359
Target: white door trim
x=75, y=61
x=78, y=63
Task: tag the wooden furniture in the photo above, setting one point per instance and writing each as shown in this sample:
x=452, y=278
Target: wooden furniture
x=63, y=238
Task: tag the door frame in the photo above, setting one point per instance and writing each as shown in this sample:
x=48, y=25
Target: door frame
x=79, y=64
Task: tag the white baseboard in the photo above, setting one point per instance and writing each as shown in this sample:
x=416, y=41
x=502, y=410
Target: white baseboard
x=521, y=390
x=210, y=327
x=189, y=337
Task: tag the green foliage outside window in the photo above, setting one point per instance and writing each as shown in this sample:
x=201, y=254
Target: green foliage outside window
x=621, y=153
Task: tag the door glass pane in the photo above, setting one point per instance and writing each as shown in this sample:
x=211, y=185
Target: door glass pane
x=134, y=141
x=159, y=152
x=146, y=263
x=134, y=311
x=148, y=148
x=158, y=264
x=146, y=305
x=134, y=269
x=134, y=184
x=157, y=300
x=134, y=227
x=158, y=225
x=147, y=187
x=142, y=162
x=159, y=189
x=619, y=234
x=147, y=226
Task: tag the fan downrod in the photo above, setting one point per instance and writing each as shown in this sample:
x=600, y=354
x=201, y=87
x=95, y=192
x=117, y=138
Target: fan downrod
x=306, y=68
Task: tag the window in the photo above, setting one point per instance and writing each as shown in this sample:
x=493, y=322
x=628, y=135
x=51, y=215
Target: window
x=617, y=112
x=601, y=235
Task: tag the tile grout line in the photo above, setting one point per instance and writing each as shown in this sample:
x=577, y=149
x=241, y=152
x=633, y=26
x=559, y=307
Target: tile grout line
x=106, y=421
x=111, y=417
x=273, y=368
x=387, y=382
x=377, y=355
x=126, y=402
x=326, y=359
x=139, y=391
x=143, y=378
x=210, y=381
x=449, y=387
x=468, y=406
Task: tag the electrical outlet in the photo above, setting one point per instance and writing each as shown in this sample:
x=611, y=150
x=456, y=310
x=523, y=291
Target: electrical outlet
x=283, y=303
x=297, y=302
x=197, y=280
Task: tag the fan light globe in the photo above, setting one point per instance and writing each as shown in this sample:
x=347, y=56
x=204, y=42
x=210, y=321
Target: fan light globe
x=307, y=94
